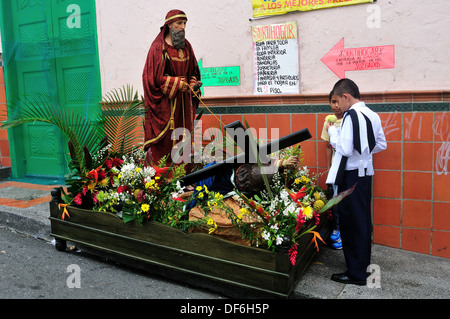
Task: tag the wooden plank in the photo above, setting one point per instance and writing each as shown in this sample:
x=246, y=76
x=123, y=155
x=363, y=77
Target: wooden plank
x=194, y=254
x=175, y=259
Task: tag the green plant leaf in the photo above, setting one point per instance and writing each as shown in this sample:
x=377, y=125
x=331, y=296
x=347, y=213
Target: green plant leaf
x=337, y=199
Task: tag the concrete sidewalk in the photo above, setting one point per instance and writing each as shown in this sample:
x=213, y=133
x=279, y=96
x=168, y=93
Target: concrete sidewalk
x=403, y=275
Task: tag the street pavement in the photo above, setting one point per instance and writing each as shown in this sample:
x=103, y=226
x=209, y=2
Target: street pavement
x=24, y=212
x=33, y=269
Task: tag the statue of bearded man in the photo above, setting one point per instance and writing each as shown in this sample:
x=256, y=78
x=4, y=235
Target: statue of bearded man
x=170, y=69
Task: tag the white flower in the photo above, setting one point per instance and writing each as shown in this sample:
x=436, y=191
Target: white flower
x=266, y=235
x=149, y=172
x=179, y=188
x=279, y=240
x=284, y=195
x=291, y=208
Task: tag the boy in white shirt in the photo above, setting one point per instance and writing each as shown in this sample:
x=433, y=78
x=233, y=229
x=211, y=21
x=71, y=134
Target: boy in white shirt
x=361, y=135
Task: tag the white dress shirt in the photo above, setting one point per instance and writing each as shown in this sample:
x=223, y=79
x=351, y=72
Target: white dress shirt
x=342, y=140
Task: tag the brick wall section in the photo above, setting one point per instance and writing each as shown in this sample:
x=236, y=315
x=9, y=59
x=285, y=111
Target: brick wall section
x=411, y=201
x=5, y=159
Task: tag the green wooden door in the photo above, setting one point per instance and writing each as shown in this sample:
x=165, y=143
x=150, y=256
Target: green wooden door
x=50, y=48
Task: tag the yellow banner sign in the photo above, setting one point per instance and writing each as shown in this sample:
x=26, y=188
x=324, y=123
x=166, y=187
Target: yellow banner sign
x=263, y=8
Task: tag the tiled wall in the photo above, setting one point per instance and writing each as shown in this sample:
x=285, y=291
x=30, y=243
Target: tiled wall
x=5, y=159
x=411, y=194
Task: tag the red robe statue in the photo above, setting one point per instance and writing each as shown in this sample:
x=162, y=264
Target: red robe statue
x=167, y=107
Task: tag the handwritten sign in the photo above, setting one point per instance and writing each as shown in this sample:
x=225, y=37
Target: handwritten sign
x=220, y=76
x=263, y=8
x=341, y=60
x=275, y=49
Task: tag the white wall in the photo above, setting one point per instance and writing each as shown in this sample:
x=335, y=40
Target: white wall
x=220, y=33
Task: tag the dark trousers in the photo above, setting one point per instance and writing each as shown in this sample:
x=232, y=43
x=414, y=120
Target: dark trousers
x=355, y=223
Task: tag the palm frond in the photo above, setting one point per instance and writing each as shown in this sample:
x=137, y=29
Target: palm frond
x=122, y=119
x=120, y=123
x=40, y=108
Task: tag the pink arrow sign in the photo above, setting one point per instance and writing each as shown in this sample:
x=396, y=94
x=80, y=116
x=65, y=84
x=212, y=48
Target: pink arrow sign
x=341, y=60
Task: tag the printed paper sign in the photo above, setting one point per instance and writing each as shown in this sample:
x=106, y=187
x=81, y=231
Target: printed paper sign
x=341, y=60
x=263, y=8
x=275, y=49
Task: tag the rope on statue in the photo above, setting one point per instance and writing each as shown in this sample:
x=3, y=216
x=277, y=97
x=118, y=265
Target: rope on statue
x=201, y=101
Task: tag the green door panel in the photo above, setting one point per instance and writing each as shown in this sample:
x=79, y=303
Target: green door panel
x=49, y=48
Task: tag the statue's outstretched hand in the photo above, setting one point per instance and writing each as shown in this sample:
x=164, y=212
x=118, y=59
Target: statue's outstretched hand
x=291, y=162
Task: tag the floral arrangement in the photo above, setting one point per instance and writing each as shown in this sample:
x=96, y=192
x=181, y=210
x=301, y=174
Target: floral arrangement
x=288, y=214
x=135, y=191
x=288, y=210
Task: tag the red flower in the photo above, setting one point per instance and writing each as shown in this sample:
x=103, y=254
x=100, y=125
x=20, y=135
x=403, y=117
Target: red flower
x=85, y=190
x=123, y=189
x=117, y=162
x=141, y=196
x=179, y=199
x=159, y=171
x=101, y=175
x=108, y=163
x=293, y=252
x=317, y=218
x=93, y=175
x=300, y=222
x=78, y=199
x=301, y=193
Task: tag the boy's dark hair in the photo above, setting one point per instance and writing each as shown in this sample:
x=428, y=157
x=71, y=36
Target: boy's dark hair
x=346, y=86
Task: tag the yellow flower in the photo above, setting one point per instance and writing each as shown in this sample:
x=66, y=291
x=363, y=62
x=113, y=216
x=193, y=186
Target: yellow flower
x=199, y=188
x=138, y=169
x=218, y=196
x=213, y=229
x=206, y=190
x=150, y=184
x=145, y=208
x=298, y=181
x=305, y=179
x=201, y=195
x=308, y=212
x=104, y=182
x=244, y=211
x=316, y=195
x=213, y=225
x=318, y=205
x=91, y=186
